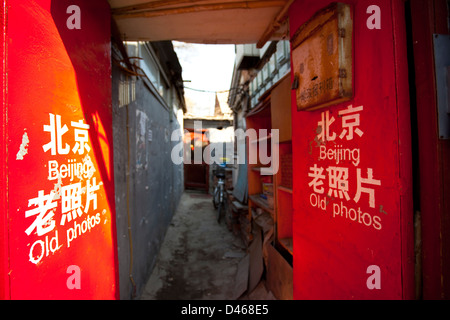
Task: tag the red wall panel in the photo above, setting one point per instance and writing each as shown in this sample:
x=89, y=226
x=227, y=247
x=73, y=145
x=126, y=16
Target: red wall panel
x=60, y=184
x=339, y=235
x=4, y=261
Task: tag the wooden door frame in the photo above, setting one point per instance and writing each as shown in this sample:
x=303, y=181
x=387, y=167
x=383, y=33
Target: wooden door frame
x=427, y=18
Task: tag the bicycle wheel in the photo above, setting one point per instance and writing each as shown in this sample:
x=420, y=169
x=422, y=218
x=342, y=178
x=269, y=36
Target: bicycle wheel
x=215, y=198
x=219, y=209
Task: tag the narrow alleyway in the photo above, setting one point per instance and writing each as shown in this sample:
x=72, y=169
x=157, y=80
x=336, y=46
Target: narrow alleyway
x=199, y=258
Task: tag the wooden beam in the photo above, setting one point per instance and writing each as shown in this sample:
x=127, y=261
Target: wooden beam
x=167, y=4
x=274, y=25
x=152, y=5
x=201, y=8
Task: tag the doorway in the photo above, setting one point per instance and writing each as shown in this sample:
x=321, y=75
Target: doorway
x=196, y=175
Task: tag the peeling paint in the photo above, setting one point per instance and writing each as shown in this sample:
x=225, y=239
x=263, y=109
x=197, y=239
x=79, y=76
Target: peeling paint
x=57, y=188
x=87, y=162
x=23, y=147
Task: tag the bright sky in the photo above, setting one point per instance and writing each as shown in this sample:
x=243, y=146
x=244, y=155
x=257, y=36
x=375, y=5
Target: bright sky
x=208, y=67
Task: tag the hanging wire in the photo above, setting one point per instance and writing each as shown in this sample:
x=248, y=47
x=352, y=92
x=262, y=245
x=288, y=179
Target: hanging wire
x=211, y=91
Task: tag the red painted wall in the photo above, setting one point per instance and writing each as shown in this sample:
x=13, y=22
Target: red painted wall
x=59, y=205
x=338, y=236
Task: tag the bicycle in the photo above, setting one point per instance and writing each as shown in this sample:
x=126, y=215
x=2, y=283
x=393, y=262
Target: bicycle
x=219, y=190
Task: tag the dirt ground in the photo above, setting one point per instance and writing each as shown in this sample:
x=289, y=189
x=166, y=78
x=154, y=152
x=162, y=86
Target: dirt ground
x=199, y=258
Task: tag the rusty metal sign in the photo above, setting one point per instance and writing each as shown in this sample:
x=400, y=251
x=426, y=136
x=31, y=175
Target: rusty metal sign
x=322, y=58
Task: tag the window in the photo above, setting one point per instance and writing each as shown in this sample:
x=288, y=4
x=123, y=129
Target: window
x=151, y=67
x=148, y=64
